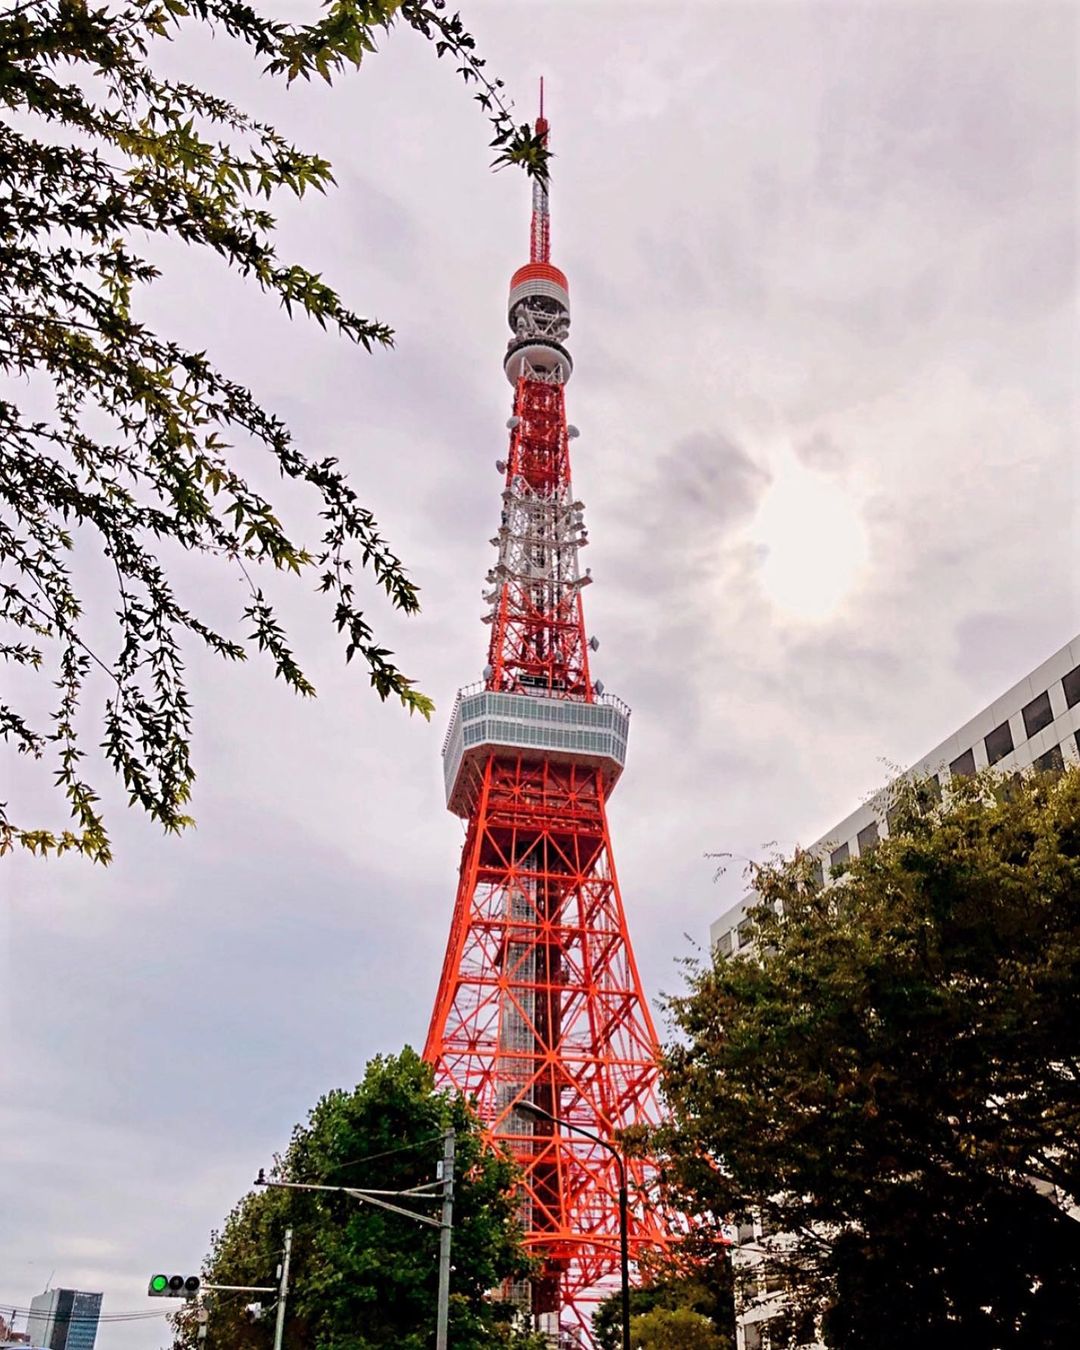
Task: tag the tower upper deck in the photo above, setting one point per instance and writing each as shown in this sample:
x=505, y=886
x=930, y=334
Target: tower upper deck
x=533, y=727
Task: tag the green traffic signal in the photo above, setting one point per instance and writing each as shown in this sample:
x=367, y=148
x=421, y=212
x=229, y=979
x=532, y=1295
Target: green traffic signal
x=173, y=1286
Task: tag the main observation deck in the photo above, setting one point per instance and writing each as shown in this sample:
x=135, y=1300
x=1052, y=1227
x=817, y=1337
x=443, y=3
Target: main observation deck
x=535, y=726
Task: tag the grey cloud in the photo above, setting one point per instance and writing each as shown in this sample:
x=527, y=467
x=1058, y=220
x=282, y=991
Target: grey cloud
x=706, y=479
x=821, y=452
x=986, y=645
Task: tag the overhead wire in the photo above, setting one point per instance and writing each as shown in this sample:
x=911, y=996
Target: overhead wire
x=386, y=1153
x=14, y=1310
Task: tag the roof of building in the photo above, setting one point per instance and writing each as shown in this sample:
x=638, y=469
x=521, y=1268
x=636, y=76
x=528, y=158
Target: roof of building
x=1000, y=735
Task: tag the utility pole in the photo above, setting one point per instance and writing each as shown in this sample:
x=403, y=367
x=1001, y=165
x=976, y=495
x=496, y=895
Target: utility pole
x=446, y=1225
x=283, y=1289
x=427, y=1191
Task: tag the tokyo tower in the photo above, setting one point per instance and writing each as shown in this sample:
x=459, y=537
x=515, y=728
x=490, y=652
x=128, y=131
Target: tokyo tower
x=540, y=1004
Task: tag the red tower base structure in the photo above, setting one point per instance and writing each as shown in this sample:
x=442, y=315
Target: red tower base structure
x=540, y=1016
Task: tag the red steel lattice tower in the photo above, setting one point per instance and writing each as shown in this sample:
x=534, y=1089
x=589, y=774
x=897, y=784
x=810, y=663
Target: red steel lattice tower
x=540, y=1001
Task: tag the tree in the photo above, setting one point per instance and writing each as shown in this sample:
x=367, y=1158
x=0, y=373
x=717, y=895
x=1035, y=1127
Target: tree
x=674, y=1329
x=121, y=437
x=696, y=1280
x=361, y=1277
x=893, y=1083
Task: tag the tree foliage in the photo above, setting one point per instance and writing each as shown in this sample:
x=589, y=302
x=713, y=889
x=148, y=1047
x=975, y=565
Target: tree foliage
x=362, y=1278
x=696, y=1281
x=115, y=434
x=893, y=1084
x=674, y=1329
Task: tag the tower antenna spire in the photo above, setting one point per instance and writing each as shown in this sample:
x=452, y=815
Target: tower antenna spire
x=540, y=234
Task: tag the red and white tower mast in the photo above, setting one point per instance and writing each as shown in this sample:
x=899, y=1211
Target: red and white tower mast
x=540, y=1001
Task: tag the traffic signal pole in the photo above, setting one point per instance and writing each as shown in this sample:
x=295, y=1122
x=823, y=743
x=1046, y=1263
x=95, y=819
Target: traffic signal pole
x=283, y=1290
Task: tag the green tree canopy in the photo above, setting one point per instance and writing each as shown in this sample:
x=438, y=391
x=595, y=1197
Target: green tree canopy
x=362, y=1278
x=893, y=1083
x=674, y=1329
x=118, y=435
x=697, y=1282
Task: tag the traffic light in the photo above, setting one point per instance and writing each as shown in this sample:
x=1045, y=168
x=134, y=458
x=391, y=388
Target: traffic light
x=173, y=1286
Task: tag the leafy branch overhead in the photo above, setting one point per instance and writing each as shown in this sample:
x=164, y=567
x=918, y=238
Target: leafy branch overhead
x=113, y=433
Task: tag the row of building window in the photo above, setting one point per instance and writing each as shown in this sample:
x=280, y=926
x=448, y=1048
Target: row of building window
x=1053, y=761
x=1036, y=715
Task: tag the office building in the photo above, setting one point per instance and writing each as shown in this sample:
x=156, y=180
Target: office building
x=64, y=1319
x=1033, y=725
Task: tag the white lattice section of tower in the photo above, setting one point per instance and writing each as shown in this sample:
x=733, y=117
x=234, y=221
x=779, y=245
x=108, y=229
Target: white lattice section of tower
x=517, y=1041
x=538, y=542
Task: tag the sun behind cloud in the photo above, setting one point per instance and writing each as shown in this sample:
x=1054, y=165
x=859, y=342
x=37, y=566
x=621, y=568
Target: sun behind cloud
x=813, y=541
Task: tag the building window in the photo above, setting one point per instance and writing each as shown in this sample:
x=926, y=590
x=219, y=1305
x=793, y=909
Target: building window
x=745, y=1232
x=723, y=943
x=745, y=931
x=963, y=766
x=868, y=838
x=1052, y=762
x=999, y=743
x=840, y=855
x=817, y=871
x=1038, y=714
x=1071, y=684
x=775, y=1282
x=752, y=1336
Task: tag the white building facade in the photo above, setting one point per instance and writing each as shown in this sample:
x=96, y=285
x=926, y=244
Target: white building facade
x=1033, y=725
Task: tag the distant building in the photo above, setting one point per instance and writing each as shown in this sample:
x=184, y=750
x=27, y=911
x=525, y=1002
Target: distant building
x=1034, y=725
x=9, y=1336
x=64, y=1319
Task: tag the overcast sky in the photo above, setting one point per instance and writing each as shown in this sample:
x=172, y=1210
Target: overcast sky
x=822, y=263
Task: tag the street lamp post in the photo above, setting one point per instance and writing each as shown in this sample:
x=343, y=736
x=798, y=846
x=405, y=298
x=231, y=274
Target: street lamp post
x=531, y=1109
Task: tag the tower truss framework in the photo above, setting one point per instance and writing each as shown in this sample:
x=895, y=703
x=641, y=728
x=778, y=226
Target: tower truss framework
x=540, y=1002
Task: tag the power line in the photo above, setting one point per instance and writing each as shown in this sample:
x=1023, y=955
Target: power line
x=14, y=1310
x=66, y=1319
x=386, y=1153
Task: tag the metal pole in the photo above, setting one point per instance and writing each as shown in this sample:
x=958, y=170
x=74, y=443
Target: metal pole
x=531, y=1109
x=624, y=1252
x=445, y=1230
x=283, y=1289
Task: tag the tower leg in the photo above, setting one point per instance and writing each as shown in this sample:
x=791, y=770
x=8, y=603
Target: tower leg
x=541, y=1004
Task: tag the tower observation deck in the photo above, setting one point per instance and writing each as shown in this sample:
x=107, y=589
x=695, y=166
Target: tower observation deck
x=540, y=1003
